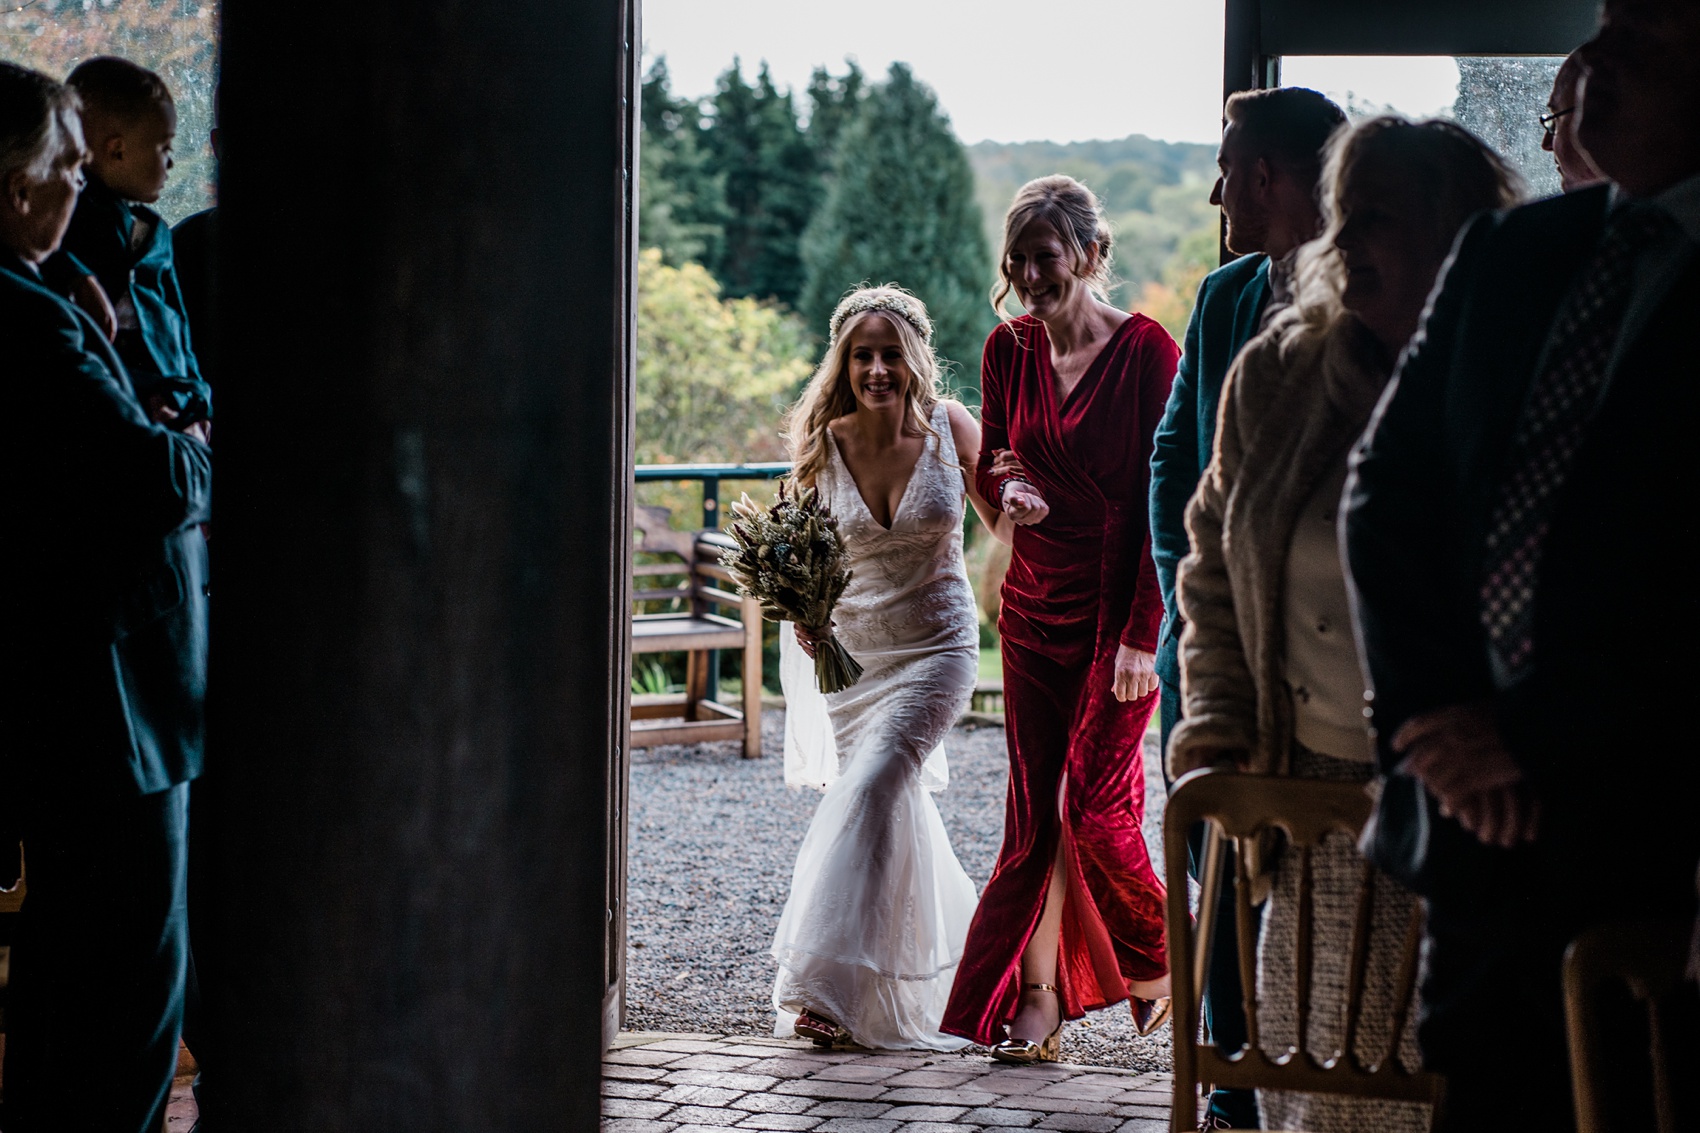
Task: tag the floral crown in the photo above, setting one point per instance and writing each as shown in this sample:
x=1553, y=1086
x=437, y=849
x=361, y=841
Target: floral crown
x=899, y=303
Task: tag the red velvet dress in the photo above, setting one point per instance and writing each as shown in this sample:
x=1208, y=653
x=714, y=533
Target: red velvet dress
x=1080, y=584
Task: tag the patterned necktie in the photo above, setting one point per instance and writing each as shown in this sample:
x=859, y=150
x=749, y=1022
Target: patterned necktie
x=1561, y=402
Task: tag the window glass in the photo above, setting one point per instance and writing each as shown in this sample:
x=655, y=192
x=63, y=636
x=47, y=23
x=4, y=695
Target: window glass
x=176, y=38
x=1498, y=98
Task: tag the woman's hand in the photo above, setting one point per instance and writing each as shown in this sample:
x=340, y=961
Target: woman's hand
x=1023, y=503
x=1136, y=672
x=1006, y=463
x=807, y=640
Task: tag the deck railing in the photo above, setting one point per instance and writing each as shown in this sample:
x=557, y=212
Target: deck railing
x=988, y=697
x=710, y=475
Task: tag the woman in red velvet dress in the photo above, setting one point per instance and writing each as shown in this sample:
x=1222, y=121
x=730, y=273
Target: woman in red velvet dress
x=1072, y=918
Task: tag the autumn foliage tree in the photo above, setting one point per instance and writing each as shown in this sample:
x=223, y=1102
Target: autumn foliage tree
x=714, y=375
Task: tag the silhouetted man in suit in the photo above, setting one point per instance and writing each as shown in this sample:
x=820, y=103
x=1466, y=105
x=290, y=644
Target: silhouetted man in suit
x=105, y=617
x=1270, y=160
x=1520, y=527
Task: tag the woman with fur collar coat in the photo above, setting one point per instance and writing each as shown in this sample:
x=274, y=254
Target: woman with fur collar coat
x=1270, y=673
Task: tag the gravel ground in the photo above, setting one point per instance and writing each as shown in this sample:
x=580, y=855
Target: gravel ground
x=713, y=839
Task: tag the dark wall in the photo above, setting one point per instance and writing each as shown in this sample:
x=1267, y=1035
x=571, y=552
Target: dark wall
x=1422, y=27
x=422, y=450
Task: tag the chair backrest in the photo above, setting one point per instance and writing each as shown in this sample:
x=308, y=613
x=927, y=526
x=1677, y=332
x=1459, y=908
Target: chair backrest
x=1240, y=808
x=1647, y=958
x=653, y=527
x=653, y=535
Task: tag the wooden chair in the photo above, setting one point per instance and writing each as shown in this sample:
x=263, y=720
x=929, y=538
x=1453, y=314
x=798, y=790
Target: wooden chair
x=11, y=900
x=1648, y=957
x=1239, y=808
x=694, y=630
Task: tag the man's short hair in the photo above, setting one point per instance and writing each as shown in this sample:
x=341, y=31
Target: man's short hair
x=39, y=128
x=118, y=88
x=1287, y=125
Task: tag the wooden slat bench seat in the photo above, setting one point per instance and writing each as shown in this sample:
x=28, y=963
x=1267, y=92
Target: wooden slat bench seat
x=695, y=629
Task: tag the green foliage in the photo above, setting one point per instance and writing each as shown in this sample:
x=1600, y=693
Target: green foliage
x=713, y=375
x=772, y=186
x=1168, y=298
x=833, y=102
x=682, y=200
x=651, y=678
x=900, y=209
x=176, y=38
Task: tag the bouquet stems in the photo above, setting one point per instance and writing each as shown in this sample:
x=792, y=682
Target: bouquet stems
x=835, y=669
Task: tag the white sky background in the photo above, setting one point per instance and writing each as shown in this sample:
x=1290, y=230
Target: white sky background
x=1058, y=70
x=1419, y=86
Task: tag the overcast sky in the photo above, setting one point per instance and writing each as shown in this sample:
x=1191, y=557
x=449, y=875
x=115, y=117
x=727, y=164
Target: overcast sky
x=1063, y=70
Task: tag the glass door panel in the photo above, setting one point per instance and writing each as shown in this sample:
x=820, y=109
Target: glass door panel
x=1498, y=98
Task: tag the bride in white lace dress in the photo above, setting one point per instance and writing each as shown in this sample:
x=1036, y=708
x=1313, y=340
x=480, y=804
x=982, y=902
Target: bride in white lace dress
x=872, y=933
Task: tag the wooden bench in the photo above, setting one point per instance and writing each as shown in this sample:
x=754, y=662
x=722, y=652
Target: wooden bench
x=695, y=629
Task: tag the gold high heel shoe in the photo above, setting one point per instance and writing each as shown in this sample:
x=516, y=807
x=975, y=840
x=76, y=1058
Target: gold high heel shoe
x=1149, y=1014
x=1021, y=1052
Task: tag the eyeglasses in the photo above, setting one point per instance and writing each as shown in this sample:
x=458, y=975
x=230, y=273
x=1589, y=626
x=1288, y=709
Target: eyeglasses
x=1549, y=120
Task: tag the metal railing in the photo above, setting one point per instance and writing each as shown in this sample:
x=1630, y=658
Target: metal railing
x=710, y=475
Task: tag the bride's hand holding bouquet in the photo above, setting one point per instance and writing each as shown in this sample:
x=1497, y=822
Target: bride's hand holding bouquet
x=790, y=559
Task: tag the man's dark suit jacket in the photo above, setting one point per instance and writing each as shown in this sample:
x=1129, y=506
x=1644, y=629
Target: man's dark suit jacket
x=1602, y=721
x=1225, y=316
x=106, y=624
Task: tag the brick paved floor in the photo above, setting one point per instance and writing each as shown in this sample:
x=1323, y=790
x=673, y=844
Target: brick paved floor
x=655, y=1082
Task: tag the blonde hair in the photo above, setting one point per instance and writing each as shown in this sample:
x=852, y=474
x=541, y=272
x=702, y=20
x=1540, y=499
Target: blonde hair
x=1073, y=212
x=1453, y=173
x=828, y=395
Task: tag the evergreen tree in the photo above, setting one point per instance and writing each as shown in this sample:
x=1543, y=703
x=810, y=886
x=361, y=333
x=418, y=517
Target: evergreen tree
x=772, y=186
x=833, y=102
x=901, y=209
x=681, y=199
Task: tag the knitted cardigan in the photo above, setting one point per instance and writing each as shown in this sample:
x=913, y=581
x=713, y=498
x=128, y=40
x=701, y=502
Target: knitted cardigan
x=1295, y=400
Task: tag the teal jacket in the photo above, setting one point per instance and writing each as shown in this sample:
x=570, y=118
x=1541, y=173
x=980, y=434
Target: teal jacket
x=107, y=623
x=1225, y=316
x=158, y=353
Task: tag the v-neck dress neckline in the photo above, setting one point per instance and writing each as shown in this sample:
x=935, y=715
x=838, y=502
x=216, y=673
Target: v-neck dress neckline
x=903, y=497
x=1094, y=369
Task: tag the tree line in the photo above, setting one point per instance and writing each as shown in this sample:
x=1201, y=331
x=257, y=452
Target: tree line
x=793, y=201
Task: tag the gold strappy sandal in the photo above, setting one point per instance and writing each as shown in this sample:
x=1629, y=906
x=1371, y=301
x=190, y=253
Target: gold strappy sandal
x=1020, y=1052
x=818, y=1029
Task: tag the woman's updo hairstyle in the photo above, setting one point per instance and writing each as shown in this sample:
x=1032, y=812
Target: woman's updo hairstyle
x=1073, y=212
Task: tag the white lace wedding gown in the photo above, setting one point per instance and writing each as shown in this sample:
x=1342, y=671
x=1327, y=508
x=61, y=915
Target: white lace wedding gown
x=879, y=908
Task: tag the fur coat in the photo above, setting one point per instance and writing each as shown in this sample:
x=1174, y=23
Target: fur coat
x=1295, y=400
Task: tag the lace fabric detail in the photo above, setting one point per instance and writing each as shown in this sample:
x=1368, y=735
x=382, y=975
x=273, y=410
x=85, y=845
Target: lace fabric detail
x=879, y=907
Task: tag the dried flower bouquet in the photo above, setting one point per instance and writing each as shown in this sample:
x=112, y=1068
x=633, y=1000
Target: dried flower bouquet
x=790, y=559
